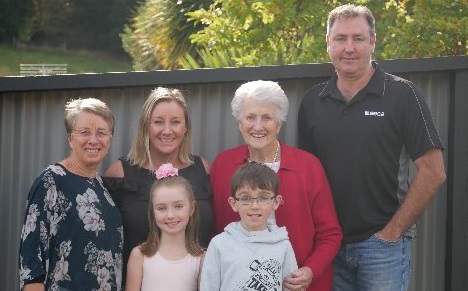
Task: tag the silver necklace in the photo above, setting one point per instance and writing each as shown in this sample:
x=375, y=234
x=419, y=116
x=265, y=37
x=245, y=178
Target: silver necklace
x=275, y=158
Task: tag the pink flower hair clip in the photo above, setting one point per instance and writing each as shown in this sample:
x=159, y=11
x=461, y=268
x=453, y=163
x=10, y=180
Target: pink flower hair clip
x=166, y=170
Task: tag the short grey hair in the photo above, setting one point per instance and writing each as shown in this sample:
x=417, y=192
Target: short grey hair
x=261, y=91
x=74, y=108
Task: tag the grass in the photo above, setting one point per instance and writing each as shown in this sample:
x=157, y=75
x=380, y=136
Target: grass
x=78, y=61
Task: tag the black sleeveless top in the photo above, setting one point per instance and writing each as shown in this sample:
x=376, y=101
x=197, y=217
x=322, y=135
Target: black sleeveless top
x=131, y=194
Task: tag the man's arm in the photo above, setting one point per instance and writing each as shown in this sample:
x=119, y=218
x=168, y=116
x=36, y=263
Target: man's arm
x=429, y=177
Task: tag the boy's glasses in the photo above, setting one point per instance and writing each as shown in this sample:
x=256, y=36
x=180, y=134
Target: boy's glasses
x=262, y=200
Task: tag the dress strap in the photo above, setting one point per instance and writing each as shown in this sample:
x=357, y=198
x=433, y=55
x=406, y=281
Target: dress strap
x=197, y=160
x=125, y=166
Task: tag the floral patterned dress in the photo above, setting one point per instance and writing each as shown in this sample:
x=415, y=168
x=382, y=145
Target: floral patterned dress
x=72, y=233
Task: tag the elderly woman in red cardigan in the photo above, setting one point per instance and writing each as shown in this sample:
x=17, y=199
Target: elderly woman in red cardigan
x=308, y=211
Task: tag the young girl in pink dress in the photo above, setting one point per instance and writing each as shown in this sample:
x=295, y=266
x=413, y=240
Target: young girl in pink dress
x=171, y=258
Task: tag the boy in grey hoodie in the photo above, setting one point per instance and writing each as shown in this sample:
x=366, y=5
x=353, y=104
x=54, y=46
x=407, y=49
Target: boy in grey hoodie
x=250, y=254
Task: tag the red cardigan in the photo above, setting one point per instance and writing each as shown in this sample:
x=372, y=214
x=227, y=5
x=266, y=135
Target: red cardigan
x=308, y=211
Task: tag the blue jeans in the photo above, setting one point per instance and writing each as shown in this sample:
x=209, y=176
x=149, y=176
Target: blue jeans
x=373, y=265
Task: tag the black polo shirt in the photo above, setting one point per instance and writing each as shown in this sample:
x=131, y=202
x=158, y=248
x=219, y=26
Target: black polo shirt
x=366, y=146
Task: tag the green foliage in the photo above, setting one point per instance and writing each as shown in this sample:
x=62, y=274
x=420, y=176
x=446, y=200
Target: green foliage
x=211, y=59
x=119, y=14
x=159, y=33
x=49, y=22
x=266, y=32
x=275, y=32
x=85, y=24
x=238, y=33
x=13, y=15
x=429, y=29
x=97, y=24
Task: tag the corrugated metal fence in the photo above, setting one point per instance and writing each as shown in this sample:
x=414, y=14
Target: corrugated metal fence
x=32, y=136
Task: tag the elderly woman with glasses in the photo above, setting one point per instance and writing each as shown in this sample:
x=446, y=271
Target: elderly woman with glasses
x=308, y=210
x=72, y=234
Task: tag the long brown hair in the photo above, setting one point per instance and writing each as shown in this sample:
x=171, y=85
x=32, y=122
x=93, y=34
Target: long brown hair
x=151, y=246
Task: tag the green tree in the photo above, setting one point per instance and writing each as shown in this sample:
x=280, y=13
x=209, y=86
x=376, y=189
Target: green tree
x=428, y=29
x=97, y=24
x=82, y=24
x=259, y=33
x=263, y=32
x=119, y=15
x=158, y=34
x=274, y=32
x=49, y=22
x=13, y=16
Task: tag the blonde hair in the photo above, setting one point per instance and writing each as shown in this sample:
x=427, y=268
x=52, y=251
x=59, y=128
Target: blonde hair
x=151, y=246
x=74, y=108
x=140, y=150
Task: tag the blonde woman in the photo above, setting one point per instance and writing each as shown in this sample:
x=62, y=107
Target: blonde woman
x=164, y=135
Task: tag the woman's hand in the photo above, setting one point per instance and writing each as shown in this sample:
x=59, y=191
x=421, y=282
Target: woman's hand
x=299, y=280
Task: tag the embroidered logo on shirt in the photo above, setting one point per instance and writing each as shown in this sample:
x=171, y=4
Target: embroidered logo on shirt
x=265, y=277
x=374, y=113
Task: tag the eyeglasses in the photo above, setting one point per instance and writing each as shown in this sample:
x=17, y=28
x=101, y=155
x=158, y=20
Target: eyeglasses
x=262, y=200
x=86, y=133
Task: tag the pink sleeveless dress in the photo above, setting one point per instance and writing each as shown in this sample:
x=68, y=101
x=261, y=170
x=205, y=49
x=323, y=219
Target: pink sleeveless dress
x=162, y=274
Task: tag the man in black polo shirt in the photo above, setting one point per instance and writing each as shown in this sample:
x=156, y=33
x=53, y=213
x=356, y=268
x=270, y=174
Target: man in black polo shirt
x=366, y=126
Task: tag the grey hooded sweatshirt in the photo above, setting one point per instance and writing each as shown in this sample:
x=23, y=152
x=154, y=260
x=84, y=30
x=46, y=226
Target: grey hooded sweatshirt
x=236, y=261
